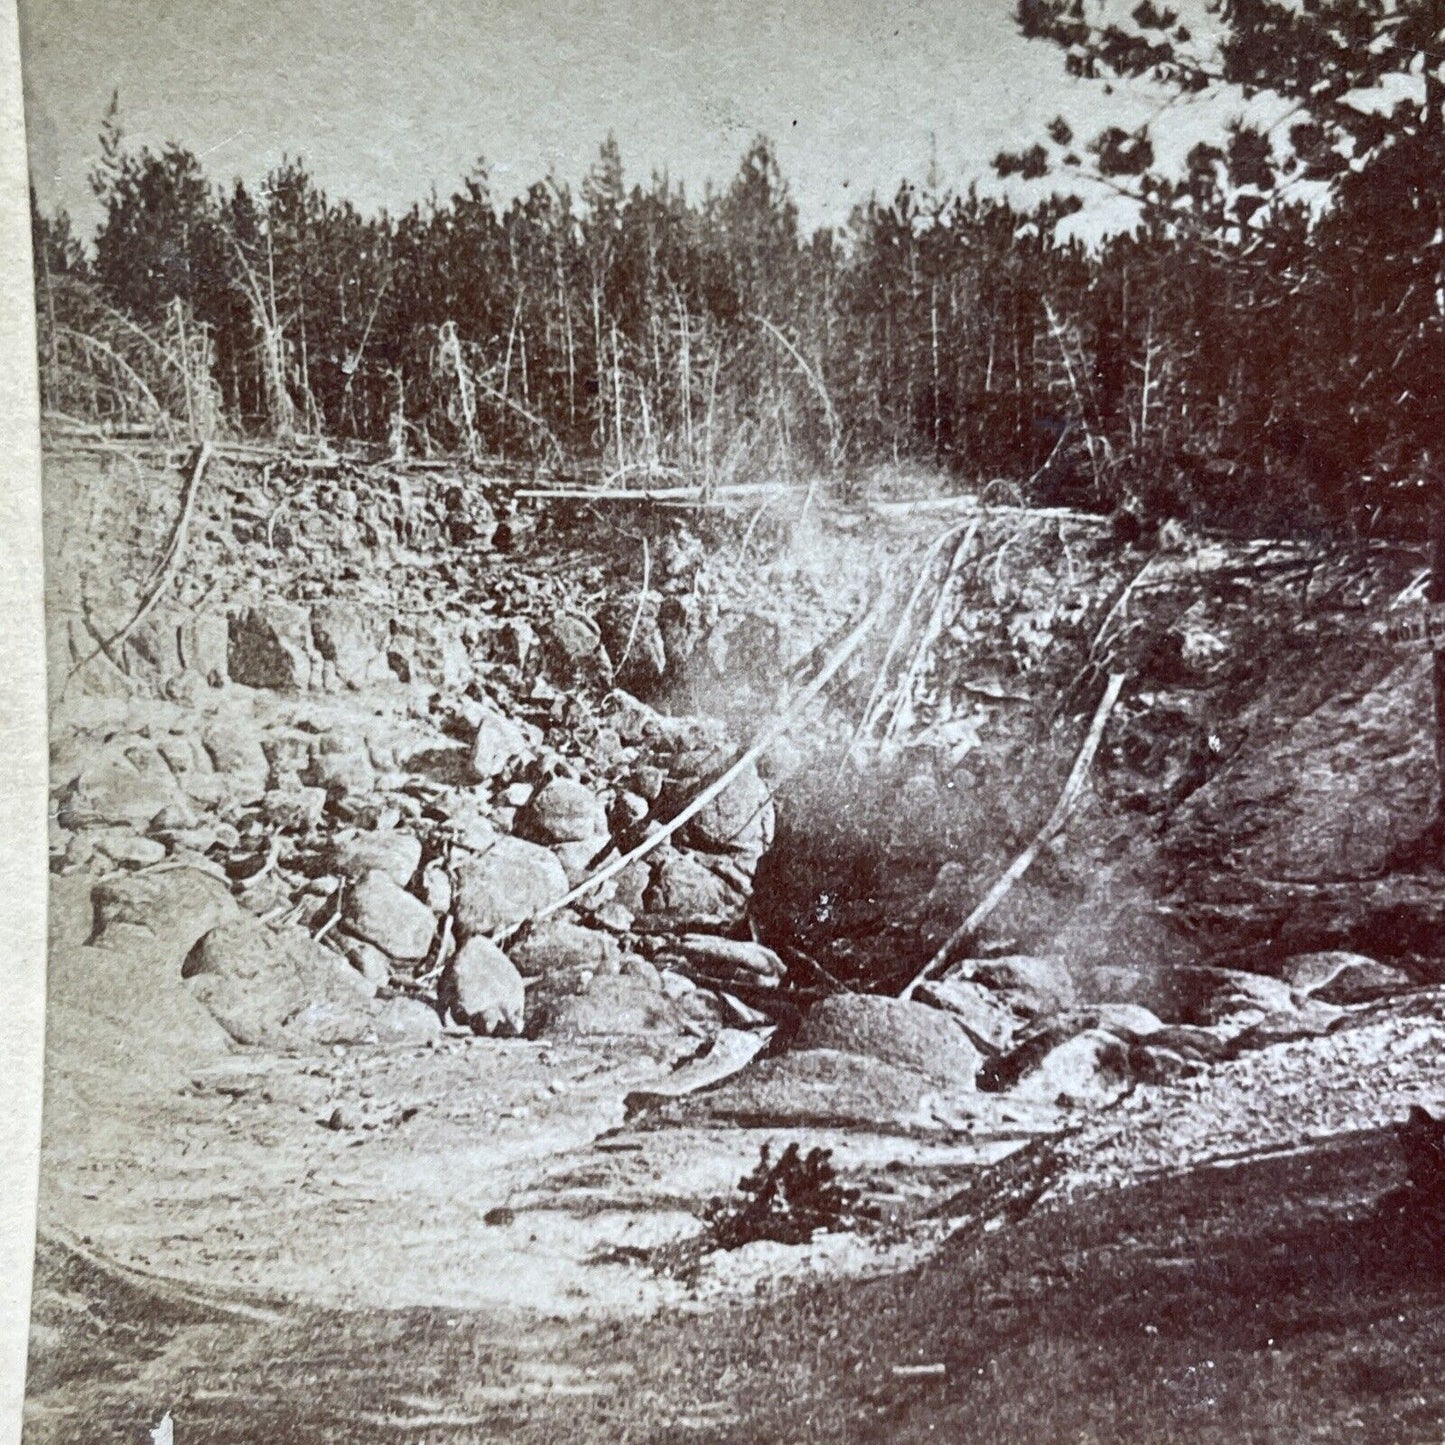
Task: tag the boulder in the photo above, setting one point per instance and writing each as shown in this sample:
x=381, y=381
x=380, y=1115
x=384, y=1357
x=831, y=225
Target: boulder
x=822, y=1089
x=895, y=1031
x=344, y=637
x=988, y=1021
x=497, y=744
x=429, y=651
x=562, y=811
x=125, y=788
x=1197, y=1044
x=184, y=755
x=366, y=958
x=1090, y=1068
x=1343, y=978
x=288, y=754
x=635, y=966
x=1363, y=982
x=470, y=828
x=1227, y=999
x=572, y=652
x=482, y=990
x=629, y=887
x=511, y=642
x=647, y=782
x=171, y=820
x=560, y=943
x=436, y=887
x=170, y=909
x=405, y=1020
x=1128, y=1020
x=204, y=641
x=687, y=894
x=580, y=860
x=511, y=881
x=728, y=959
x=1150, y=1064
x=1200, y=650
x=294, y=810
x=152, y=648
x=739, y=820
x=606, y=912
x=379, y=910
x=1312, y=1019
x=354, y=855
x=341, y=765
x=626, y=811
x=125, y=849
x=1031, y=984
x=258, y=982
x=605, y=1005
x=270, y=647
x=325, y=1022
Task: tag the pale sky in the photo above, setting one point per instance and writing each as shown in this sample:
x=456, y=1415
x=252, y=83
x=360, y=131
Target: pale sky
x=386, y=100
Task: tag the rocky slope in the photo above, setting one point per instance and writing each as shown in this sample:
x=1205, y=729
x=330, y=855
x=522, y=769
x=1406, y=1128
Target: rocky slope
x=340, y=1009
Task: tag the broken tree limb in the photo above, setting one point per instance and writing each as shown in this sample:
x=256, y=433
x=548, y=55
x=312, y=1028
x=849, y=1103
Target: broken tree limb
x=720, y=784
x=167, y=569
x=687, y=496
x=1052, y=825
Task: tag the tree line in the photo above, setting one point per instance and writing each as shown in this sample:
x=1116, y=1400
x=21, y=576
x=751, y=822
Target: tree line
x=1242, y=355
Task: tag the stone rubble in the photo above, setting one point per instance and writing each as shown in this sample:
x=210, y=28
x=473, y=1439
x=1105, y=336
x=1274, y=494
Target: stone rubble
x=349, y=792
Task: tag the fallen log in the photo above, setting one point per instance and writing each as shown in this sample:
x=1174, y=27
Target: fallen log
x=1073, y=787
x=690, y=496
x=918, y=506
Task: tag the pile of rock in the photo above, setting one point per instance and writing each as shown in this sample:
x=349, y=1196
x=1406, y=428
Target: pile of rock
x=1015, y=1040
x=1042, y=1038
x=410, y=838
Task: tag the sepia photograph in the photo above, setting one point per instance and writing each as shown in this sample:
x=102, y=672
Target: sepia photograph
x=746, y=720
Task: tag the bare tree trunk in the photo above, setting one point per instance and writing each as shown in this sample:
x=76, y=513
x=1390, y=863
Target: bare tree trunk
x=601, y=372
x=571, y=363
x=937, y=389
x=617, y=398
x=184, y=348
x=684, y=357
x=52, y=344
